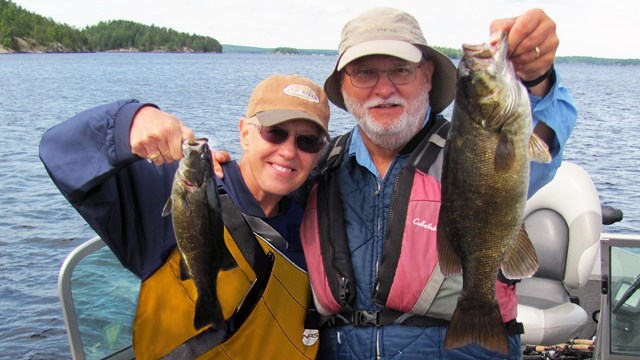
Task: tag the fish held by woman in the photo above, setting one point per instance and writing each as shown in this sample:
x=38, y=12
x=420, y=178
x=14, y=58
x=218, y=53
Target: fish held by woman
x=199, y=229
x=484, y=191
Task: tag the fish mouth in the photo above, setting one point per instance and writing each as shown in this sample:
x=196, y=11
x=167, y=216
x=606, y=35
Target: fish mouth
x=189, y=144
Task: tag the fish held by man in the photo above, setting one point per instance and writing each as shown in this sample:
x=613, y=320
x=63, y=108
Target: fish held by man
x=199, y=229
x=484, y=191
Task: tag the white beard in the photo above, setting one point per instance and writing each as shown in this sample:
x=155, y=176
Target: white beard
x=392, y=136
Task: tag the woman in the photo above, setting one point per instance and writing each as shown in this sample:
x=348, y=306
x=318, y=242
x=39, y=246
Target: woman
x=95, y=160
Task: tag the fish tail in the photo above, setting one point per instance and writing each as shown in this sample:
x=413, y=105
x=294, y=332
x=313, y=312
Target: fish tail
x=208, y=311
x=477, y=321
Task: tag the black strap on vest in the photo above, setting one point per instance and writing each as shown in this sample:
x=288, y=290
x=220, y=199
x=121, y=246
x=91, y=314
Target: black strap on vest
x=266, y=231
x=334, y=245
x=362, y=318
x=422, y=157
x=338, y=146
x=262, y=265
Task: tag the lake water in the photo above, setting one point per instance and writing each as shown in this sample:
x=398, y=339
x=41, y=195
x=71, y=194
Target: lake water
x=38, y=228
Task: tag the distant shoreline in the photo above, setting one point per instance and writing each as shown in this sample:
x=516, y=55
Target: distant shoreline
x=62, y=50
x=235, y=49
x=559, y=59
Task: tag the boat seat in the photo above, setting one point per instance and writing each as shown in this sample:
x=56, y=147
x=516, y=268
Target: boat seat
x=564, y=223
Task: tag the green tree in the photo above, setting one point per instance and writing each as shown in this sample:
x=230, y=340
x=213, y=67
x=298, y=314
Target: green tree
x=15, y=22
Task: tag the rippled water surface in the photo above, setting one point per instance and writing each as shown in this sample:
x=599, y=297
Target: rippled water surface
x=209, y=93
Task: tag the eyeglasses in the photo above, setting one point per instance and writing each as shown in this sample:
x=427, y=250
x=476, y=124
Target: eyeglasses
x=365, y=77
x=277, y=135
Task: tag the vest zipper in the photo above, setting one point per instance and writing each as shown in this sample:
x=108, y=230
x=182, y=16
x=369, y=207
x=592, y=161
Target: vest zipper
x=385, y=241
x=344, y=291
x=378, y=343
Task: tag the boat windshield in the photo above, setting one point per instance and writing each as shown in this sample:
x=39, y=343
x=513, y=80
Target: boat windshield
x=621, y=270
x=99, y=299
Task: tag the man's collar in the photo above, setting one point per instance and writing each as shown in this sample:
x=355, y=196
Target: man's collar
x=361, y=153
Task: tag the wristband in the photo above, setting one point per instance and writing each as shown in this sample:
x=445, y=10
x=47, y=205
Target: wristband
x=538, y=80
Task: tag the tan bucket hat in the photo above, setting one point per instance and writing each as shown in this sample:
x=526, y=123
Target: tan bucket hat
x=281, y=98
x=388, y=31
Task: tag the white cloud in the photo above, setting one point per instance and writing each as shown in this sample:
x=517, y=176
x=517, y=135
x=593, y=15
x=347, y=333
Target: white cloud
x=588, y=28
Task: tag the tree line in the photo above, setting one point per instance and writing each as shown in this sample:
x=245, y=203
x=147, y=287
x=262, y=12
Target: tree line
x=17, y=23
x=124, y=34
x=22, y=30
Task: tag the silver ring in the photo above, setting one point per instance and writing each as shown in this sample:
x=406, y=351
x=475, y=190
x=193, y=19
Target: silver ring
x=537, y=49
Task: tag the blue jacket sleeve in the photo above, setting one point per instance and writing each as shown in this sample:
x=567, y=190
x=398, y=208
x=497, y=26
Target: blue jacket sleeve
x=558, y=112
x=89, y=159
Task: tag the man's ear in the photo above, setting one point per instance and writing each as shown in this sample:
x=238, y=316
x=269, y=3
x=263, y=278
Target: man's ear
x=428, y=68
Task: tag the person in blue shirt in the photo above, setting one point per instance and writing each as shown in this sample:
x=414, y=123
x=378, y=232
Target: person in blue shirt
x=115, y=164
x=395, y=86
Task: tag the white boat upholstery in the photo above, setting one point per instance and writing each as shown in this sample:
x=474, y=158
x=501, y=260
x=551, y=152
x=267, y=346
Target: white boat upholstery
x=564, y=222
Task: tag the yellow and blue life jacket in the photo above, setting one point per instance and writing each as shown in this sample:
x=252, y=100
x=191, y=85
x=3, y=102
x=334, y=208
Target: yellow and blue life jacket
x=264, y=301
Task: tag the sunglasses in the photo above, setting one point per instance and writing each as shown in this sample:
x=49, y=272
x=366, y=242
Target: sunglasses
x=277, y=135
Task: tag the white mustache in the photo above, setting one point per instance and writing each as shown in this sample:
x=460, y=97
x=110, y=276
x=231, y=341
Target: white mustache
x=393, y=100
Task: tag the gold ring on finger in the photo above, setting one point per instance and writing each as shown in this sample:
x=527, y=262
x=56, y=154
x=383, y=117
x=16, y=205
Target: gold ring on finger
x=152, y=158
x=537, y=49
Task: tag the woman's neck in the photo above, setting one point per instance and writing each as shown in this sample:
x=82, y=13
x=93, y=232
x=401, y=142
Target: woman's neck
x=267, y=202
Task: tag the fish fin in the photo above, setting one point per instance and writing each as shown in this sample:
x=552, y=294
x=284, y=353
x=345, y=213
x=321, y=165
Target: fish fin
x=449, y=261
x=185, y=203
x=538, y=150
x=184, y=270
x=477, y=321
x=167, y=207
x=521, y=260
x=505, y=155
x=208, y=311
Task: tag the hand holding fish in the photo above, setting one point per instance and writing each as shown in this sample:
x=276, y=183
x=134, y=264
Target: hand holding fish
x=157, y=135
x=220, y=157
x=533, y=42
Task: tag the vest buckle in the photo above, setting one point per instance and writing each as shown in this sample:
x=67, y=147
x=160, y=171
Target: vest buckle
x=365, y=318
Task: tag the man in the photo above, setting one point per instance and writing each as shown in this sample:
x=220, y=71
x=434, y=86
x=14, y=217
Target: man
x=383, y=303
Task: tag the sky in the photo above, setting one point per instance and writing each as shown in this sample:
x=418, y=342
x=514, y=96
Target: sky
x=598, y=28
